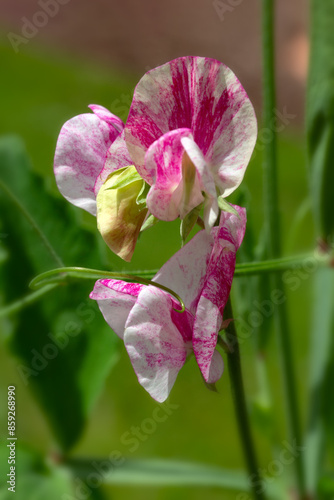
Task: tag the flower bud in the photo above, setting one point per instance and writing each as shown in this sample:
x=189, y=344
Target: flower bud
x=120, y=214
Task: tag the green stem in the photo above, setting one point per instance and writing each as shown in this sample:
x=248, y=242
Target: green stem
x=281, y=264
x=244, y=269
x=273, y=233
x=63, y=273
x=238, y=393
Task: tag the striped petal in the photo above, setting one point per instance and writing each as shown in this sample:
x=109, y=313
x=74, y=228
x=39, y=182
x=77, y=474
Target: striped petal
x=217, y=286
x=117, y=157
x=175, y=183
x=154, y=343
x=115, y=299
x=205, y=96
x=81, y=151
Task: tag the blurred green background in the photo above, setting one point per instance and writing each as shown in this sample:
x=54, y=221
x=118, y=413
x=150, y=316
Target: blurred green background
x=41, y=88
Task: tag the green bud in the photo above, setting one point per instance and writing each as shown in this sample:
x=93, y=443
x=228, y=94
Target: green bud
x=119, y=216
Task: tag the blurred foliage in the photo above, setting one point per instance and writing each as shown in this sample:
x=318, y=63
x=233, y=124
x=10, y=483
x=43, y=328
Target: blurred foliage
x=320, y=115
x=63, y=356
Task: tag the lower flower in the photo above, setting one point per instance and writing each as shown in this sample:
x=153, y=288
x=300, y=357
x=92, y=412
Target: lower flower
x=157, y=337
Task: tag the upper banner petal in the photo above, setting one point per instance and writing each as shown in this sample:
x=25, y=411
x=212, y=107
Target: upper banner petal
x=205, y=96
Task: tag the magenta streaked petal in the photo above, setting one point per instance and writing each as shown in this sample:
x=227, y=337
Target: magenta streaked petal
x=107, y=116
x=164, y=162
x=231, y=228
x=224, y=122
x=161, y=103
x=205, y=96
x=206, y=327
x=211, y=209
x=215, y=292
x=163, y=159
x=117, y=157
x=115, y=299
x=156, y=348
x=81, y=150
x=185, y=271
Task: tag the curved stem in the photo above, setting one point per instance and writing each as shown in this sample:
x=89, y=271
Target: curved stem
x=61, y=274
x=238, y=393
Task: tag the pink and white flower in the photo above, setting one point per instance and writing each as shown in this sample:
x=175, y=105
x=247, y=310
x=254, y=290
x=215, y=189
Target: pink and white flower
x=158, y=338
x=81, y=154
x=191, y=131
x=90, y=148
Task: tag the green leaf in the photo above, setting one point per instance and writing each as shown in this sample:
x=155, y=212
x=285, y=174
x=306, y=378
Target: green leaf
x=35, y=480
x=321, y=365
x=64, y=348
x=170, y=473
x=38, y=478
x=159, y=472
x=320, y=115
x=55, y=484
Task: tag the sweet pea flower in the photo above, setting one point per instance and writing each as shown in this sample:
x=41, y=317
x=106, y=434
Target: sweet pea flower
x=190, y=133
x=81, y=153
x=86, y=172
x=157, y=337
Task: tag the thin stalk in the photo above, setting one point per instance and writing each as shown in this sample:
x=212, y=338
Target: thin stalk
x=239, y=400
x=244, y=269
x=62, y=274
x=274, y=235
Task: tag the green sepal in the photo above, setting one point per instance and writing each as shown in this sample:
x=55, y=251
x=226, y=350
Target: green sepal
x=150, y=222
x=226, y=207
x=189, y=222
x=141, y=198
x=123, y=177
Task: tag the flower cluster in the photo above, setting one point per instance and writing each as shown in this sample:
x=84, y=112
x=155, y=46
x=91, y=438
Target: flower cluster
x=185, y=146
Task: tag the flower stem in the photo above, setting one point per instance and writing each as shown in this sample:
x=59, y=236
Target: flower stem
x=238, y=393
x=273, y=232
x=61, y=275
